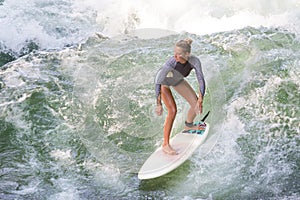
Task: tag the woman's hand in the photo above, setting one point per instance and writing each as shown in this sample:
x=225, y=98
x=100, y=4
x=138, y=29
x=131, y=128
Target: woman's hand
x=198, y=107
x=159, y=109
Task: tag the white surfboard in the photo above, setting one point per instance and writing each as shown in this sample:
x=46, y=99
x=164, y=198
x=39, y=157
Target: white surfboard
x=160, y=163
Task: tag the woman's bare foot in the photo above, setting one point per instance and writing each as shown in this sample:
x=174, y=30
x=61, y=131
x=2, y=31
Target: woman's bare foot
x=169, y=150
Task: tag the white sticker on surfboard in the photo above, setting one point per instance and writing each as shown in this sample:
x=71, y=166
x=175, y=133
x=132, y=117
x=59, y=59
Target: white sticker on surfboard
x=160, y=163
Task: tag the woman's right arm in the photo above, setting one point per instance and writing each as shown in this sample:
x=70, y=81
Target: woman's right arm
x=160, y=76
x=158, y=109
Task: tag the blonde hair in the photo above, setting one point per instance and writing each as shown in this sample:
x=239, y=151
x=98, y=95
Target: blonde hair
x=185, y=45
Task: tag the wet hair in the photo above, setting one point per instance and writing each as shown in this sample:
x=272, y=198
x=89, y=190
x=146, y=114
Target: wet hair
x=185, y=45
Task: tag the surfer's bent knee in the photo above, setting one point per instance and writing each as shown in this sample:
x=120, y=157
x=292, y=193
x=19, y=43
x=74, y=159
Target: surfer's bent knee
x=169, y=101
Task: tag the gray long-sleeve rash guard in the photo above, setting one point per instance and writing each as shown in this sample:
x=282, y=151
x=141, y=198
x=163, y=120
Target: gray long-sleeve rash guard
x=172, y=73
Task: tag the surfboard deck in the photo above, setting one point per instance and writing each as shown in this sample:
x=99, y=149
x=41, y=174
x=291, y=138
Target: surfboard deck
x=160, y=163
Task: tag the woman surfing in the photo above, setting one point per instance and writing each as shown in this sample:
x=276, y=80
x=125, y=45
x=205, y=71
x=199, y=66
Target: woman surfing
x=171, y=75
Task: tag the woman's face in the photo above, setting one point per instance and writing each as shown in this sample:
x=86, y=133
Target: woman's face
x=180, y=56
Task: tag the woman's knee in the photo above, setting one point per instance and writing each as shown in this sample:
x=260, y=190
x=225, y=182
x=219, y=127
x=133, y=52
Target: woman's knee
x=193, y=103
x=169, y=101
x=172, y=111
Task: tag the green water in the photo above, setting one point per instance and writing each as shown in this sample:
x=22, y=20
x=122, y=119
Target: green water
x=79, y=123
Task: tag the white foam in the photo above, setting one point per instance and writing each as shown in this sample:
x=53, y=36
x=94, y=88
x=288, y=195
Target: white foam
x=67, y=189
x=56, y=24
x=200, y=17
x=61, y=155
x=50, y=25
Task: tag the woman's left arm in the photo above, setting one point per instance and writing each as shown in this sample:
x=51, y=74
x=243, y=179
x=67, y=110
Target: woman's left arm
x=198, y=68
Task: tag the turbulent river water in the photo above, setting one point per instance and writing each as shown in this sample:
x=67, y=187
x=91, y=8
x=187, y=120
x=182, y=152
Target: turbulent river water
x=77, y=114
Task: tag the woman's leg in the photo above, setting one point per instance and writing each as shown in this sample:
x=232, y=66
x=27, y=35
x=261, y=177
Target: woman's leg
x=185, y=90
x=169, y=101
